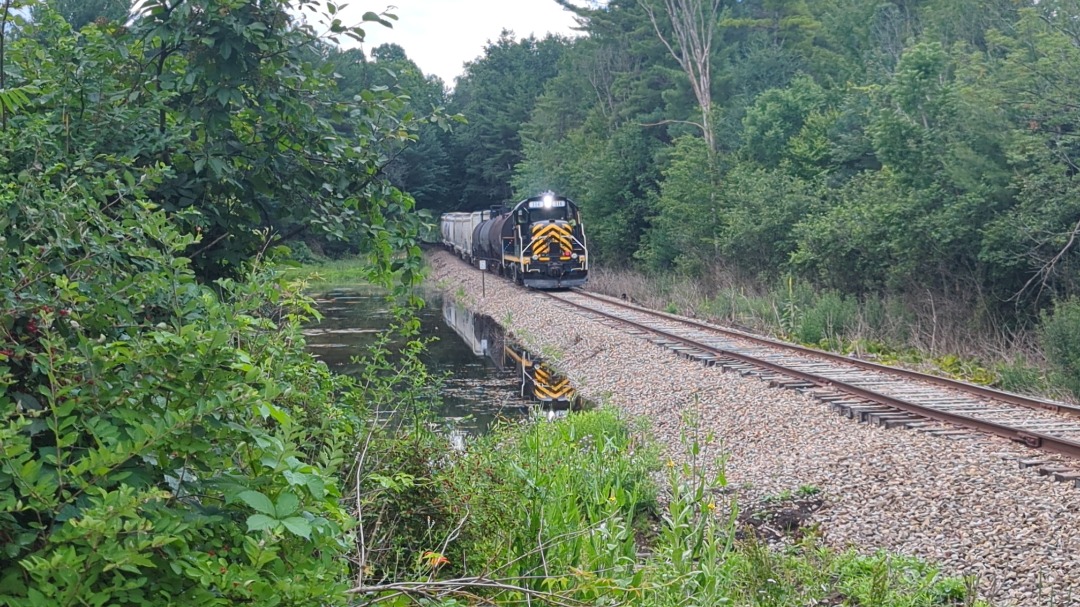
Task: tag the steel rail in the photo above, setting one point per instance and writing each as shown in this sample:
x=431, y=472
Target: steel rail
x=1032, y=439
x=999, y=395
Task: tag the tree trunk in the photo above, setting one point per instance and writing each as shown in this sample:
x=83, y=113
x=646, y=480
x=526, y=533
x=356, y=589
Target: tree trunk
x=693, y=23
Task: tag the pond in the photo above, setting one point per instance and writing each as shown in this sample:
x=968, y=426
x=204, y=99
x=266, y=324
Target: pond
x=488, y=376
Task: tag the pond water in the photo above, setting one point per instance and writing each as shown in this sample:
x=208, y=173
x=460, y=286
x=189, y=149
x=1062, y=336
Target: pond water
x=488, y=377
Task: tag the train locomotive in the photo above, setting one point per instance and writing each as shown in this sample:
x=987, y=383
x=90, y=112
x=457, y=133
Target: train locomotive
x=539, y=242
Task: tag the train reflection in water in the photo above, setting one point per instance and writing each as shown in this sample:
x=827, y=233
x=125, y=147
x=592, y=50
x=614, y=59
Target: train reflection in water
x=539, y=382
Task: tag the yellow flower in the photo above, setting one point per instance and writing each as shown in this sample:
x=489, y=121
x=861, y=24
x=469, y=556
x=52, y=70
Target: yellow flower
x=711, y=506
x=671, y=463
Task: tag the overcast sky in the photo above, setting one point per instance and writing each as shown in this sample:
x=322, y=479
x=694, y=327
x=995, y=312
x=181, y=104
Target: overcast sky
x=441, y=35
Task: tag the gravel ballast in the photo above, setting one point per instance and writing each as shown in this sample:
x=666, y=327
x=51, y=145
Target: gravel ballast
x=961, y=502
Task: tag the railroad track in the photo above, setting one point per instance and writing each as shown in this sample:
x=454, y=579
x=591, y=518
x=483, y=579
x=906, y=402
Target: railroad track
x=859, y=389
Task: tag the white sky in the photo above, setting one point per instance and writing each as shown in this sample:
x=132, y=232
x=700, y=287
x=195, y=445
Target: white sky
x=441, y=35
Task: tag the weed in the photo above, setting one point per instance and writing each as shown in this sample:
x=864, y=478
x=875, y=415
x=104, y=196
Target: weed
x=1019, y=375
x=335, y=273
x=551, y=353
x=1059, y=334
x=924, y=333
x=569, y=509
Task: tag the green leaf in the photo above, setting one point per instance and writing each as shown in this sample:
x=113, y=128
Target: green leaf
x=257, y=501
x=260, y=522
x=316, y=486
x=295, y=478
x=287, y=504
x=299, y=526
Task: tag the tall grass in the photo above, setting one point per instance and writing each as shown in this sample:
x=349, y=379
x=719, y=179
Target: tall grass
x=929, y=332
x=570, y=510
x=558, y=499
x=325, y=273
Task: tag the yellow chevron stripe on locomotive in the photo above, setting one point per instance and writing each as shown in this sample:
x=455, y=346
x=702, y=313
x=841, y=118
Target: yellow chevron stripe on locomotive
x=552, y=230
x=542, y=229
x=544, y=233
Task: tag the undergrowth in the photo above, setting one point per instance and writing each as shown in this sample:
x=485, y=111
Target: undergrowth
x=322, y=273
x=943, y=338
x=568, y=513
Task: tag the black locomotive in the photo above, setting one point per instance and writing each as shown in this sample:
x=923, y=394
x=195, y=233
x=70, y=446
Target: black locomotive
x=539, y=242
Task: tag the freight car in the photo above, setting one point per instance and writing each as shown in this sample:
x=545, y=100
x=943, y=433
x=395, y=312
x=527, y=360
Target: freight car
x=539, y=242
x=457, y=231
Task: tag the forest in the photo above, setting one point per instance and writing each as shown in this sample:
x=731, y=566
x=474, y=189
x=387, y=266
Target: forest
x=916, y=151
x=860, y=144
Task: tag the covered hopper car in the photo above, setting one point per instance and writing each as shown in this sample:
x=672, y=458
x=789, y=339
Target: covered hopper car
x=538, y=242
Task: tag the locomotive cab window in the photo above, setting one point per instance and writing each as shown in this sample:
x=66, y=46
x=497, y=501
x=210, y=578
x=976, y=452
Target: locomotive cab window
x=546, y=214
x=544, y=210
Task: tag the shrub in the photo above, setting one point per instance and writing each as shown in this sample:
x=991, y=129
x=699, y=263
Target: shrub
x=827, y=319
x=149, y=424
x=1059, y=334
x=1021, y=376
x=537, y=494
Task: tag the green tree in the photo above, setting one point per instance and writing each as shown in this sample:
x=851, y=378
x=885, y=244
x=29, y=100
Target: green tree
x=236, y=103
x=81, y=12
x=419, y=167
x=164, y=438
x=1031, y=249
x=496, y=95
x=685, y=233
x=778, y=117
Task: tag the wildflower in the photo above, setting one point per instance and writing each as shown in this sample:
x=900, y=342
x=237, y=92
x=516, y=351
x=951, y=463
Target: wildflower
x=711, y=506
x=671, y=463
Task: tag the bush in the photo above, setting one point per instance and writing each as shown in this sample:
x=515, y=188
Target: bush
x=535, y=495
x=300, y=252
x=157, y=436
x=827, y=319
x=566, y=513
x=1059, y=334
x=1021, y=376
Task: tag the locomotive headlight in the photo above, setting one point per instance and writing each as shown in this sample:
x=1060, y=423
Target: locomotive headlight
x=548, y=201
x=535, y=257
x=573, y=256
